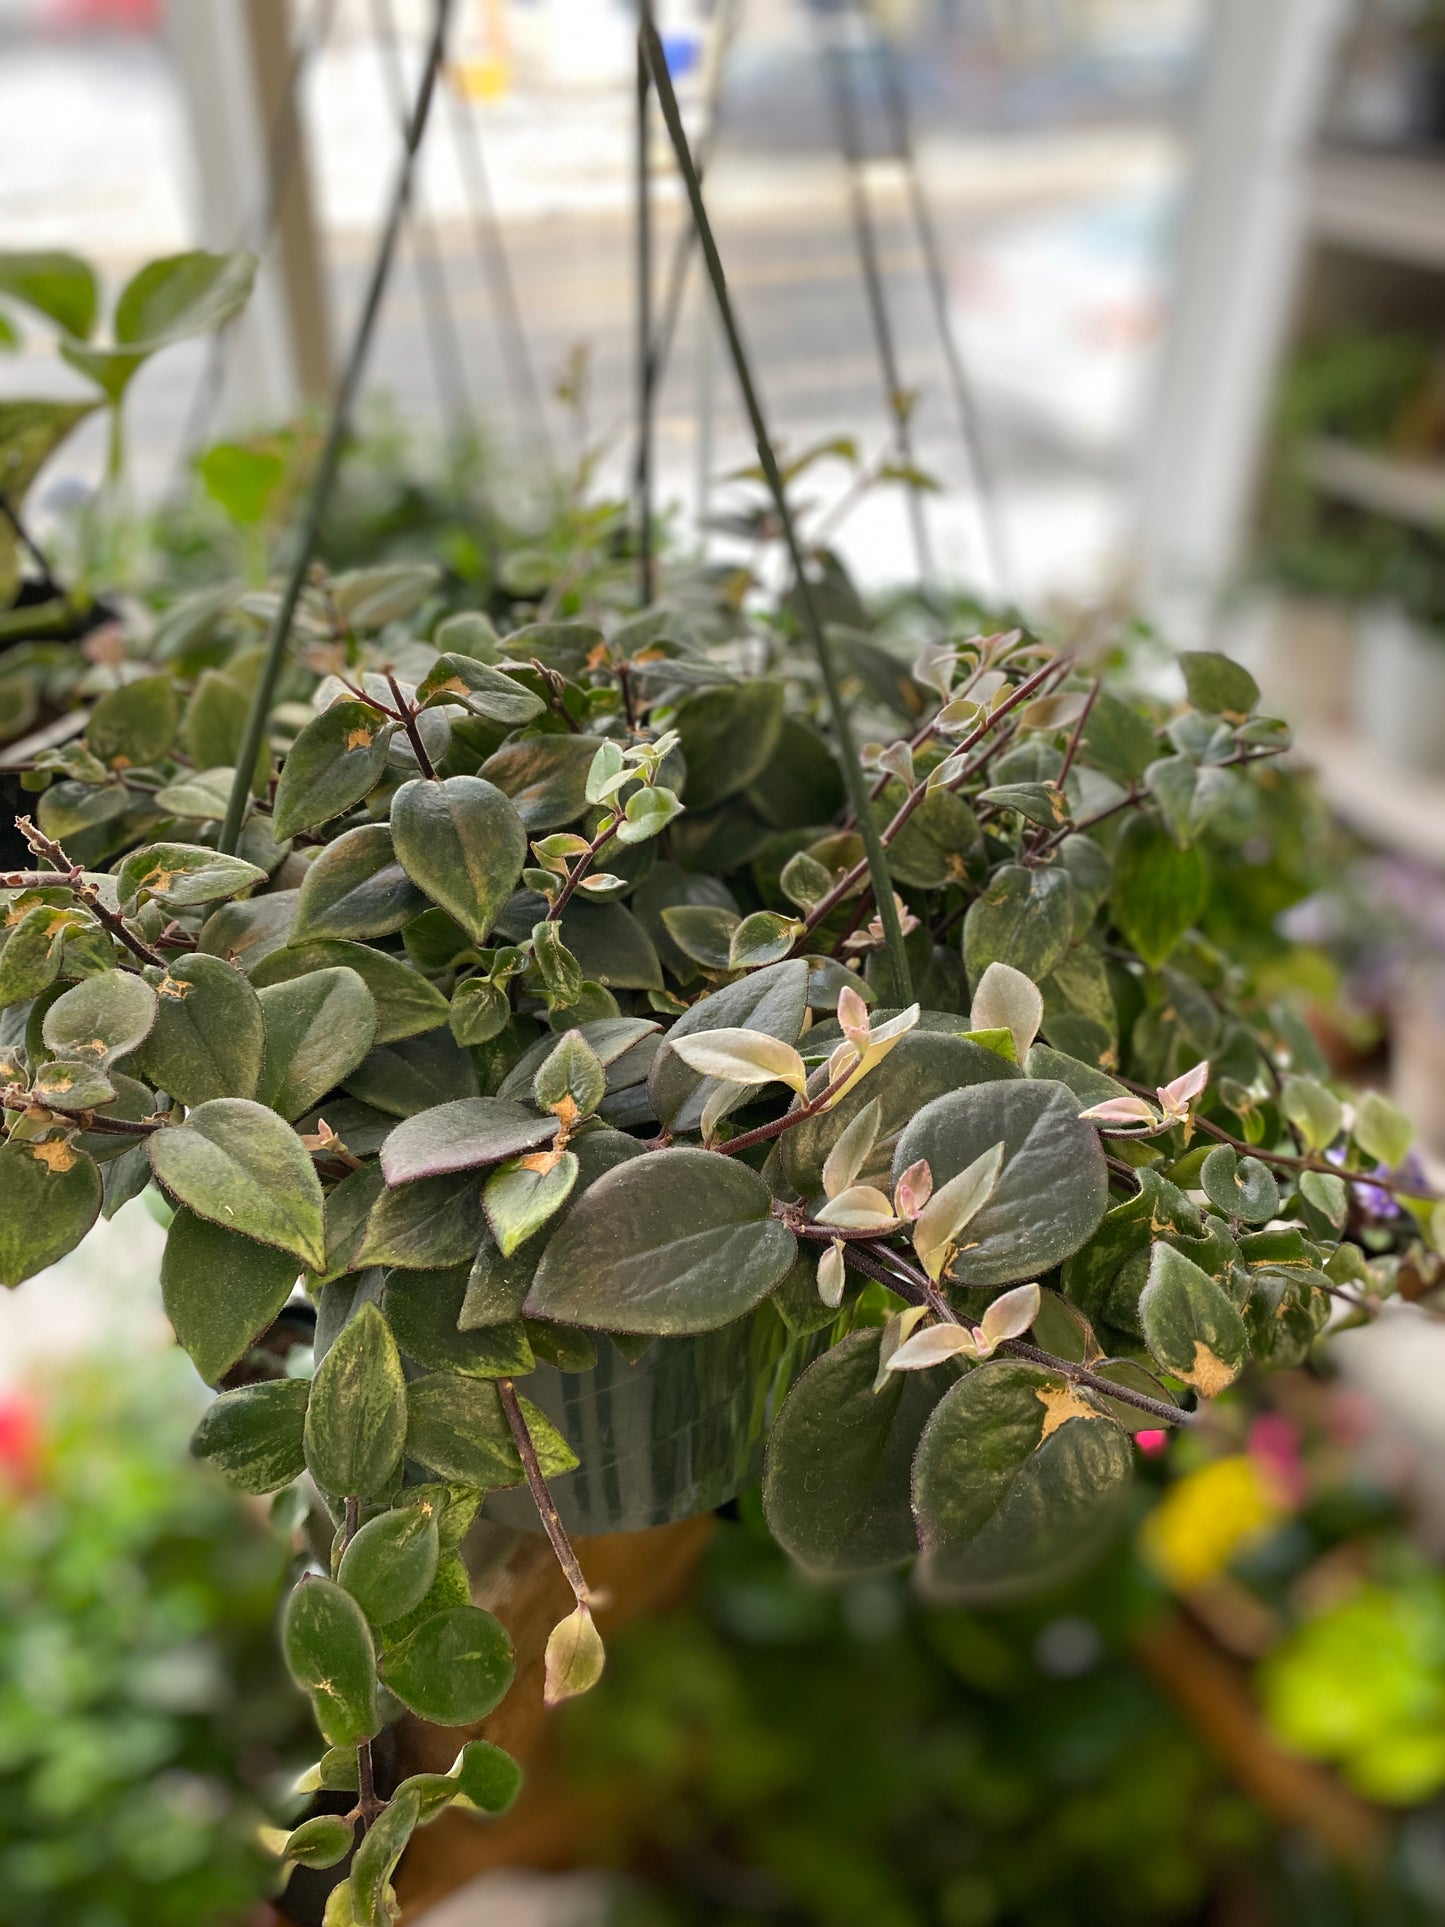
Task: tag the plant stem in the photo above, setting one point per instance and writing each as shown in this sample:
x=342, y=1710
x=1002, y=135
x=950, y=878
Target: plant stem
x=579, y=870
x=810, y=1107
x=541, y=1497
x=368, y=1804
x=336, y=434
x=74, y=879
x=13, y=1098
x=811, y=621
x=646, y=369
x=408, y=715
x=31, y=548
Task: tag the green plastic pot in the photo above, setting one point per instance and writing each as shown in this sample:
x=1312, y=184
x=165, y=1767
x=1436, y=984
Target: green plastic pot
x=676, y=1434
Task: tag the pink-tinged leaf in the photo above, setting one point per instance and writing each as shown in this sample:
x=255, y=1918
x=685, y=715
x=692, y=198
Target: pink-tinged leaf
x=1121, y=1110
x=1010, y=1315
x=853, y=1017
x=933, y=1347
x=1178, y=1096
x=913, y=1190
x=831, y=1275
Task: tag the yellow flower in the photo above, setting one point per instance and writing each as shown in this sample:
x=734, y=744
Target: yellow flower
x=1209, y=1516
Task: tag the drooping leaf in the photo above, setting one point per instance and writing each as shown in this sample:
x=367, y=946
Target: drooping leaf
x=101, y=1018
x=674, y=1241
x=318, y=1029
x=209, y=1033
x=220, y=1290
x=1158, y=888
x=463, y=844
x=389, y=1566
x=330, y=1656
x=454, y=1668
x=50, y=1196
x=1017, y=1480
x=337, y=759
x=575, y=1657
x=356, y=1419
x=1190, y=1325
x=254, y=1435
x=837, y=1479
x=356, y=888
x=1052, y=1191
x=239, y=1165
x=458, y=1136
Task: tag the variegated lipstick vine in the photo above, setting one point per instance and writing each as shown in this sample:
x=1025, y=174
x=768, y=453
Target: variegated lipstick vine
x=544, y=1006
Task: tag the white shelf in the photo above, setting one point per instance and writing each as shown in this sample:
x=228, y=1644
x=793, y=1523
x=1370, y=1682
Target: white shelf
x=1409, y=491
x=1400, y=809
x=1390, y=205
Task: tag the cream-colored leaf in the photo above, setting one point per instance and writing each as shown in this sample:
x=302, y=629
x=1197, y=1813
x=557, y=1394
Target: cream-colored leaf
x=933, y=1347
x=1008, y=1000
x=892, y=1336
x=850, y=1153
x=742, y=1057
x=862, y=1207
x=1011, y=1314
x=951, y=1207
x=575, y=1657
x=832, y=1271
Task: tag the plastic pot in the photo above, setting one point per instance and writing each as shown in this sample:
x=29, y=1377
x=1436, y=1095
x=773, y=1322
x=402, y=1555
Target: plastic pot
x=676, y=1434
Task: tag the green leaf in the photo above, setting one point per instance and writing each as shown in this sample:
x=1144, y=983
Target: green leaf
x=1315, y=1112
x=406, y=1004
x=71, y=1085
x=1328, y=1196
x=372, y=1899
x=49, y=1198
x=836, y=1484
x=481, y=689
x=575, y=1656
x=356, y=888
x=356, y=1420
x=58, y=285
x=368, y=599
x=763, y=938
x=322, y=1841
x=423, y=1309
x=414, y=1074
x=570, y=1078
x=545, y=777
x=728, y=736
x=241, y=481
x=101, y=1018
x=30, y=433
x=1189, y=796
x=522, y=1195
x=1381, y=1131
x=337, y=759
x=1189, y=1324
x=1024, y=918
x=239, y=1165
x=209, y=1033
x=489, y=1779
x=318, y=1029
x=461, y=842
x=1017, y=1479
x=214, y=725
x=254, y=1435
x=168, y=300
x=220, y=1290
x=1052, y=1192
x=1239, y=1187
x=426, y=1224
x=459, y=1136
x=133, y=726
x=330, y=1656
x=389, y=1566
x=1159, y=889
x=456, y=1427
x=671, y=1242
x=479, y=1011
x=454, y=1668
x=181, y=876
x=30, y=961
x=1219, y=685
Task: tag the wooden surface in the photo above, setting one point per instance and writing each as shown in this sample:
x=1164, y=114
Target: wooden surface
x=516, y=1577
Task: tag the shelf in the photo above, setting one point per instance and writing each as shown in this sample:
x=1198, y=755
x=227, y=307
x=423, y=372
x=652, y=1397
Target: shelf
x=1402, y=810
x=1409, y=491
x=1390, y=205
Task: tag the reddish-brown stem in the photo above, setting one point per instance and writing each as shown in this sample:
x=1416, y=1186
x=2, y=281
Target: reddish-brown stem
x=13, y=1098
x=541, y=1497
x=70, y=876
x=407, y=712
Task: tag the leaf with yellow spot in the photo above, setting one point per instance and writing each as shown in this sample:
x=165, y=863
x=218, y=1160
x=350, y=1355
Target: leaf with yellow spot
x=49, y=1198
x=1190, y=1325
x=335, y=762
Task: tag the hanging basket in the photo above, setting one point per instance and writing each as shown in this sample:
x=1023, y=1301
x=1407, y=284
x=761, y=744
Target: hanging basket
x=676, y=1434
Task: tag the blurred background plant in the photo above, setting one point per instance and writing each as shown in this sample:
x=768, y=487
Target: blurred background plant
x=144, y=1723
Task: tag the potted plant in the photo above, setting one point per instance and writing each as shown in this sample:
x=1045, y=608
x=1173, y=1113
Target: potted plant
x=543, y=1023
